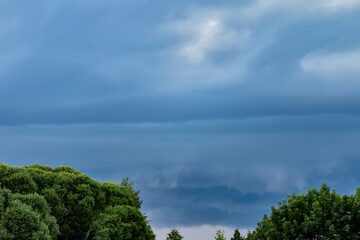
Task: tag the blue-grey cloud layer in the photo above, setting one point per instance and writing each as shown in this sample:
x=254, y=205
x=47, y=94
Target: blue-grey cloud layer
x=216, y=110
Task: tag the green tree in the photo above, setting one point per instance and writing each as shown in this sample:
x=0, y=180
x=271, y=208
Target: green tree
x=318, y=214
x=25, y=217
x=130, y=187
x=174, y=235
x=220, y=235
x=77, y=202
x=122, y=222
x=237, y=235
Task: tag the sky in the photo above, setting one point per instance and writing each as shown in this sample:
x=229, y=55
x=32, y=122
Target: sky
x=215, y=109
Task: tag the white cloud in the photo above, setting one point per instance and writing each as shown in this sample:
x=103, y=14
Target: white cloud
x=216, y=47
x=262, y=7
x=205, y=37
x=341, y=4
x=207, y=30
x=332, y=63
x=196, y=232
x=204, y=32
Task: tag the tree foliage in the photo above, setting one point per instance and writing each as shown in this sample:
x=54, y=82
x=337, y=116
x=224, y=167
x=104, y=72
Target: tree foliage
x=25, y=217
x=174, y=235
x=318, y=214
x=237, y=235
x=121, y=222
x=65, y=204
x=220, y=235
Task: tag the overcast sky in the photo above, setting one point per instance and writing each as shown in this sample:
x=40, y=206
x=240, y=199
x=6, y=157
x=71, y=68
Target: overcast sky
x=216, y=109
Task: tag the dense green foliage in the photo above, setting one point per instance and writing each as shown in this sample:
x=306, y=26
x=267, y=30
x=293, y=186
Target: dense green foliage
x=237, y=235
x=121, y=222
x=174, y=235
x=318, y=214
x=220, y=235
x=25, y=217
x=38, y=202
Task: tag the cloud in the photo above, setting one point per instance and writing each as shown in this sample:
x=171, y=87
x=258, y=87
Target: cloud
x=204, y=32
x=330, y=63
x=220, y=106
x=205, y=54
x=261, y=8
x=204, y=40
x=341, y=4
x=218, y=46
x=220, y=172
x=10, y=60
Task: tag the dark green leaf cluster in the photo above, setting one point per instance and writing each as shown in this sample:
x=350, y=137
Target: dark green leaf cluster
x=174, y=235
x=237, y=235
x=63, y=203
x=25, y=217
x=318, y=214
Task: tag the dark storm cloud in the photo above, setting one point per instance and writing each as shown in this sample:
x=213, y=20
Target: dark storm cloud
x=213, y=205
x=232, y=170
x=61, y=78
x=216, y=110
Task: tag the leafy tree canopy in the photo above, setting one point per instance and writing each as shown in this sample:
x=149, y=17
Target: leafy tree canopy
x=318, y=214
x=64, y=204
x=25, y=217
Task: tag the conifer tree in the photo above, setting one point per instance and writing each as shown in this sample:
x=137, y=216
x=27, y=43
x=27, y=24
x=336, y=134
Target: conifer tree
x=174, y=235
x=237, y=235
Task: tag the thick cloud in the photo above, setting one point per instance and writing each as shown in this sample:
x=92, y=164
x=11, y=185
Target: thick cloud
x=102, y=64
x=215, y=109
x=212, y=172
